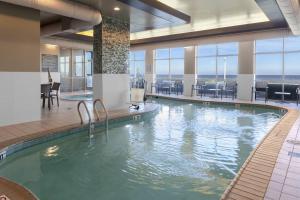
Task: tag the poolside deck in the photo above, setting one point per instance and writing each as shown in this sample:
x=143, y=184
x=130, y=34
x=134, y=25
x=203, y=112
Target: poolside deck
x=262, y=175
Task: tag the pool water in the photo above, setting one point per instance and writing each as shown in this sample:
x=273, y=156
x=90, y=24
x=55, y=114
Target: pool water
x=78, y=97
x=182, y=151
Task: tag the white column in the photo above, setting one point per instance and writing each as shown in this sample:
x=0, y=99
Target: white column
x=246, y=76
x=150, y=75
x=189, y=70
x=111, y=50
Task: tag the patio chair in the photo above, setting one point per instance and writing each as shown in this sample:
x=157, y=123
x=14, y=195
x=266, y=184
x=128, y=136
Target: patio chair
x=230, y=88
x=54, y=92
x=45, y=94
x=261, y=88
x=213, y=89
x=165, y=86
x=199, y=88
x=178, y=87
x=155, y=86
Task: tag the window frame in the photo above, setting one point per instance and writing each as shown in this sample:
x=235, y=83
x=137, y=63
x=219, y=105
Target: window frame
x=134, y=61
x=216, y=57
x=169, y=59
x=283, y=52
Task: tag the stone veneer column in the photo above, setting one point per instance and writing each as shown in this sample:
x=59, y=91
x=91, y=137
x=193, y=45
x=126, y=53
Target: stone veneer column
x=111, y=52
x=246, y=76
x=150, y=76
x=189, y=70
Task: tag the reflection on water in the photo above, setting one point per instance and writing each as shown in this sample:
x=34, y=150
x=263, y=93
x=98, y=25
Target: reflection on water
x=184, y=151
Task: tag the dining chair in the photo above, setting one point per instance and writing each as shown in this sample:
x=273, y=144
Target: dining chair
x=54, y=92
x=45, y=94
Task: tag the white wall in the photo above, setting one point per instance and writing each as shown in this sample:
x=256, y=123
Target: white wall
x=20, y=97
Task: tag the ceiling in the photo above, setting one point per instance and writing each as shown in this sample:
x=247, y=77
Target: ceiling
x=205, y=16
x=139, y=19
x=208, y=14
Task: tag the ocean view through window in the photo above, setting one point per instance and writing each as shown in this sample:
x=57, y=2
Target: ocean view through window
x=169, y=64
x=217, y=62
x=277, y=60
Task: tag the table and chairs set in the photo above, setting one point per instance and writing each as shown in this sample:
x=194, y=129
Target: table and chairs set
x=168, y=87
x=215, y=90
x=276, y=91
x=50, y=91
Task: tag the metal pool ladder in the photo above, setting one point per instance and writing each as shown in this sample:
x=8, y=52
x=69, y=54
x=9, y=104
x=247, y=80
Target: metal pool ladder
x=91, y=125
x=97, y=114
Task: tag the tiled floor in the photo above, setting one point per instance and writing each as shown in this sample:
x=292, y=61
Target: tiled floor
x=271, y=172
x=285, y=180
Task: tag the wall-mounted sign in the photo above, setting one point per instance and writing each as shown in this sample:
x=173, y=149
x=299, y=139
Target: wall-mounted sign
x=49, y=62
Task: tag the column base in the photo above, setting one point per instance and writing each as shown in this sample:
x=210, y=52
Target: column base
x=189, y=80
x=245, y=83
x=150, y=78
x=113, y=89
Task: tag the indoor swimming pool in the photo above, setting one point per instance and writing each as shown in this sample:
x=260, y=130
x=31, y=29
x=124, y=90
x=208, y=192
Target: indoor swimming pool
x=181, y=151
x=78, y=97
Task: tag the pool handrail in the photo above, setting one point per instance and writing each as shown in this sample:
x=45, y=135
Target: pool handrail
x=87, y=110
x=97, y=114
x=91, y=125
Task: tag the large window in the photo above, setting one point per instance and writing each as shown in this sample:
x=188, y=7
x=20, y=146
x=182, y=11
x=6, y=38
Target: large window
x=217, y=62
x=277, y=60
x=76, y=67
x=88, y=63
x=169, y=64
x=78, y=63
x=89, y=69
x=137, y=65
x=64, y=65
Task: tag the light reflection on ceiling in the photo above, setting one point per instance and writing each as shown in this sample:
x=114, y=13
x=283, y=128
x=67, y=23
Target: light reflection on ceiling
x=205, y=15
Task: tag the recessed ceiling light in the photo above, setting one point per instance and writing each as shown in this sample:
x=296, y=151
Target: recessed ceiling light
x=116, y=8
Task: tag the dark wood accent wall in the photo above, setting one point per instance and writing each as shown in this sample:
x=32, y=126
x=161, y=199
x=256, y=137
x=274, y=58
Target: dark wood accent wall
x=272, y=11
x=159, y=9
x=19, y=39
